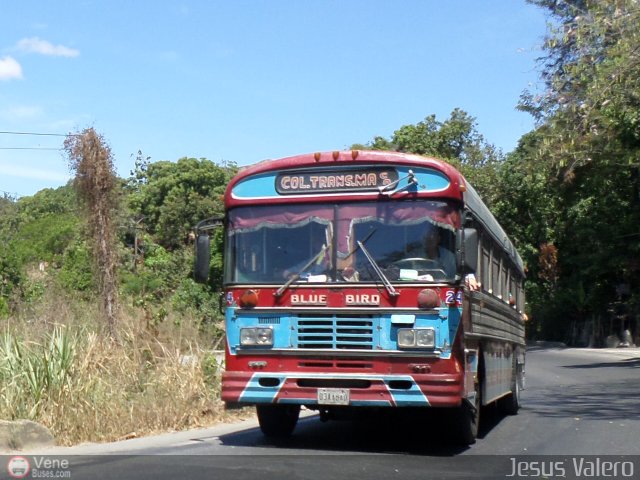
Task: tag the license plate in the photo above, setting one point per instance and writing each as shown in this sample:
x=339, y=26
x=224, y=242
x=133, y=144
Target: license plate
x=333, y=396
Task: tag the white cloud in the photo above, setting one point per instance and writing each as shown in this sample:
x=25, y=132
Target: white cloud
x=42, y=47
x=9, y=68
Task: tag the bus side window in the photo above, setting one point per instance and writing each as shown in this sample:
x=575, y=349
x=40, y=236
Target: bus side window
x=520, y=296
x=505, y=280
x=495, y=273
x=486, y=264
x=513, y=290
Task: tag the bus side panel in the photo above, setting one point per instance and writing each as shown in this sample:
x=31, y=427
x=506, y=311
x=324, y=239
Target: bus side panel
x=494, y=319
x=498, y=363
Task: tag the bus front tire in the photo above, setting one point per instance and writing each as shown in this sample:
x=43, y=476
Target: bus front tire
x=278, y=421
x=467, y=418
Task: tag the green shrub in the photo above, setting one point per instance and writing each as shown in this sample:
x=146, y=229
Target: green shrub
x=211, y=369
x=76, y=272
x=4, y=308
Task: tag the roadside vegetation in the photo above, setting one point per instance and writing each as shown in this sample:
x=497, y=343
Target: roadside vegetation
x=102, y=344
x=59, y=370
x=92, y=364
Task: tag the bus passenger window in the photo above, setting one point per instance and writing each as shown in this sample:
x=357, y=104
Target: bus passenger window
x=486, y=267
x=495, y=275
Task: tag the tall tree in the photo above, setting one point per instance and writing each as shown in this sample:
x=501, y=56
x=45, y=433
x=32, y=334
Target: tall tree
x=96, y=182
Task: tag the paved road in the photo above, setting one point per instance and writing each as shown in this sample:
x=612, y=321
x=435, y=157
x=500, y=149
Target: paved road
x=578, y=402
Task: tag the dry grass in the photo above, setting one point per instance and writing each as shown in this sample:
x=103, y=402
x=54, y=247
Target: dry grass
x=57, y=367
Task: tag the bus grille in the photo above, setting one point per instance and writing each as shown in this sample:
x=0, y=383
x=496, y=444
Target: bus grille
x=337, y=331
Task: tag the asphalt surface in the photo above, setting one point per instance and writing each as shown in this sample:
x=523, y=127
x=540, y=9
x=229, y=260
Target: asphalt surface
x=580, y=409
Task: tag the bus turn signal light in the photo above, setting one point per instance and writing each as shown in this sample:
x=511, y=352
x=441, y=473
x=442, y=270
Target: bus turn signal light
x=428, y=299
x=249, y=299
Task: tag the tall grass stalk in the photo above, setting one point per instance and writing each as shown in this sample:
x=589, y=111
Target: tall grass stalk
x=31, y=372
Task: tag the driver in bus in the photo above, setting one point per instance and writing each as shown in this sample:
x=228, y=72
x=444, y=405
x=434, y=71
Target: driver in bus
x=435, y=251
x=446, y=258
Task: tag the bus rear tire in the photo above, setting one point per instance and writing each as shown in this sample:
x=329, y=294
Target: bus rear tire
x=278, y=421
x=511, y=403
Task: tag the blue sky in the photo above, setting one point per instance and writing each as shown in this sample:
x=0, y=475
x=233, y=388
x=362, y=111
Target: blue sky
x=245, y=80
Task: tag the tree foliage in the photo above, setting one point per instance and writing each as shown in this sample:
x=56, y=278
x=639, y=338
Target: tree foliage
x=591, y=73
x=174, y=196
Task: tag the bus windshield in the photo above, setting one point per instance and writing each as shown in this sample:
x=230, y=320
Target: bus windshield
x=322, y=242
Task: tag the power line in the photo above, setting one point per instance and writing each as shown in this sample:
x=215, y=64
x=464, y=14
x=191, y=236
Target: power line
x=40, y=134
x=36, y=134
x=29, y=148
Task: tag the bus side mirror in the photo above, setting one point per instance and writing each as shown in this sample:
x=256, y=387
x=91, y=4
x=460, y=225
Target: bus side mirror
x=203, y=247
x=470, y=250
x=467, y=250
x=203, y=256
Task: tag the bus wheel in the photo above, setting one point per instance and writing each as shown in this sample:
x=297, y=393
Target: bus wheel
x=511, y=403
x=278, y=421
x=468, y=419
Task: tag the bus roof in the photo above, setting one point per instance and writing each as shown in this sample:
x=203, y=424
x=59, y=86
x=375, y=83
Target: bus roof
x=351, y=158
x=482, y=214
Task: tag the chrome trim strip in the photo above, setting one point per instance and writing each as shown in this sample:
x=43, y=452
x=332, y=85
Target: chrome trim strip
x=329, y=352
x=333, y=285
x=333, y=310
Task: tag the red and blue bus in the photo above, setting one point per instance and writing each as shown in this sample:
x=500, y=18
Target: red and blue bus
x=365, y=280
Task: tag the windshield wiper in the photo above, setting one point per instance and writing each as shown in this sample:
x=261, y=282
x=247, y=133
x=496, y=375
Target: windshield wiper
x=295, y=277
x=376, y=268
x=411, y=180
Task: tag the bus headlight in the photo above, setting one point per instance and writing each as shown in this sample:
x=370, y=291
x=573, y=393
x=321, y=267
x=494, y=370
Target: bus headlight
x=260, y=336
x=416, y=338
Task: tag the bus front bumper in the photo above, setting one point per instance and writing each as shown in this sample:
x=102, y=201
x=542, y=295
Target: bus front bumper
x=366, y=390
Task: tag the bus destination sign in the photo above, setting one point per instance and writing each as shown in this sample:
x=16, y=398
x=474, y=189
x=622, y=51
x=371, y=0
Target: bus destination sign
x=360, y=180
